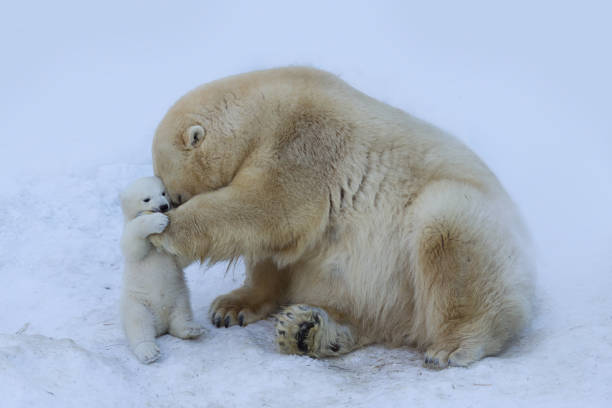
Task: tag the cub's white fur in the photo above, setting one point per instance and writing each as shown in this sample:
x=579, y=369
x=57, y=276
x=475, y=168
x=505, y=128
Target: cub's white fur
x=155, y=298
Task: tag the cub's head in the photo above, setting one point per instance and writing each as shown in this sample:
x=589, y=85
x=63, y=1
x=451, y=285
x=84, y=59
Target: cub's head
x=144, y=194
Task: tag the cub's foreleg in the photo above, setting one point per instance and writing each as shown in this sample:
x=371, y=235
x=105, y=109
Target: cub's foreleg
x=134, y=244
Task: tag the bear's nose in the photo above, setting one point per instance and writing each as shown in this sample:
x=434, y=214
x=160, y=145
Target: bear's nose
x=163, y=208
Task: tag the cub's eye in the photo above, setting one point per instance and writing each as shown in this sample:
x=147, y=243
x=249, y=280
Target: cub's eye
x=164, y=193
x=146, y=200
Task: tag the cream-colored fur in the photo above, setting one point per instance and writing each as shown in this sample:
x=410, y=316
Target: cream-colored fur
x=369, y=224
x=155, y=298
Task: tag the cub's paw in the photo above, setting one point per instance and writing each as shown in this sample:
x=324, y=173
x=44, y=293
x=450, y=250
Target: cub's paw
x=155, y=223
x=307, y=330
x=147, y=352
x=187, y=330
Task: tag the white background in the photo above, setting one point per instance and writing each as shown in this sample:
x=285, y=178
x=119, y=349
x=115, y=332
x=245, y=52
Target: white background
x=83, y=85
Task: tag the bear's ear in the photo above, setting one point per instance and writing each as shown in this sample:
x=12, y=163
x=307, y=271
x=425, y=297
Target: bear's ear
x=193, y=136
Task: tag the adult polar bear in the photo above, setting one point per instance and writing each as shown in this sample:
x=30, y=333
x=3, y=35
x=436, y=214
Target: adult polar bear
x=373, y=226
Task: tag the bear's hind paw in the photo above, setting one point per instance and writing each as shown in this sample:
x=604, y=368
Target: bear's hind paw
x=308, y=330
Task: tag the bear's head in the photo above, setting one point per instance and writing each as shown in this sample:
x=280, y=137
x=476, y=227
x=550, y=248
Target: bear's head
x=213, y=132
x=205, y=137
x=144, y=194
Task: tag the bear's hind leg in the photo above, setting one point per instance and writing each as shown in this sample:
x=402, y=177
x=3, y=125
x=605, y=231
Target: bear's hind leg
x=466, y=306
x=311, y=331
x=448, y=299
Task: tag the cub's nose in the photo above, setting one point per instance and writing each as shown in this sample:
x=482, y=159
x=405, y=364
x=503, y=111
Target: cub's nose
x=163, y=208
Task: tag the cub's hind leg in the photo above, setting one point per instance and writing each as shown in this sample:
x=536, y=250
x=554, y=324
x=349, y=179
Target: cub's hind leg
x=140, y=330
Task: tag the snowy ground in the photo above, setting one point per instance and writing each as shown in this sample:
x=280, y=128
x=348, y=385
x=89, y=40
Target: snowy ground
x=526, y=85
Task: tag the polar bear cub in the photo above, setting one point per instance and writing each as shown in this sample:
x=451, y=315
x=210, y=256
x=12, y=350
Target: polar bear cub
x=155, y=298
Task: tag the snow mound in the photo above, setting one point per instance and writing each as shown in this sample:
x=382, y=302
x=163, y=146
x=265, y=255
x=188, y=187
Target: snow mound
x=40, y=370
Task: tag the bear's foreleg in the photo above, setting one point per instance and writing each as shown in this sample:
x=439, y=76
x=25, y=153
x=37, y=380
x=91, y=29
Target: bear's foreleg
x=255, y=220
x=261, y=294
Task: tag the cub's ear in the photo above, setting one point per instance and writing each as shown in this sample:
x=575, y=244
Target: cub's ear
x=193, y=136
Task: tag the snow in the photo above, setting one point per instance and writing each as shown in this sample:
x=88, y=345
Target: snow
x=525, y=84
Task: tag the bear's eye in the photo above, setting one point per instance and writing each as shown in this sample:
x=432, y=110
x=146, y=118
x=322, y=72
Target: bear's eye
x=146, y=200
x=164, y=193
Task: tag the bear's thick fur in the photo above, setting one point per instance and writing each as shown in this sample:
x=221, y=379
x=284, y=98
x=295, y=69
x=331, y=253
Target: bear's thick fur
x=155, y=298
x=370, y=225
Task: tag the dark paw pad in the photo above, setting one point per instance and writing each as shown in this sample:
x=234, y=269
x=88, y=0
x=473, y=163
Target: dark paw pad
x=302, y=334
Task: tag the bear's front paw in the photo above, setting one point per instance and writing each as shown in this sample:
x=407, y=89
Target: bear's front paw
x=147, y=352
x=242, y=306
x=157, y=241
x=156, y=222
x=161, y=242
